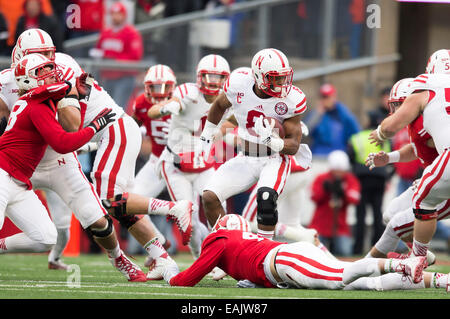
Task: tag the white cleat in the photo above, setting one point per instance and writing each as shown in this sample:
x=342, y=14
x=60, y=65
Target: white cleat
x=162, y=268
x=181, y=213
x=130, y=270
x=413, y=267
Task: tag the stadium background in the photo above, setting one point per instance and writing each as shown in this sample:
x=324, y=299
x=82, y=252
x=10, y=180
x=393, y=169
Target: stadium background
x=358, y=46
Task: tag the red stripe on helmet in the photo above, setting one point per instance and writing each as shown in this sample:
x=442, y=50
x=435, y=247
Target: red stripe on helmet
x=40, y=36
x=281, y=58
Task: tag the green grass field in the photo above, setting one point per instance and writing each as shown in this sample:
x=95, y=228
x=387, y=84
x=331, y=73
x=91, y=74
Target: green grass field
x=25, y=276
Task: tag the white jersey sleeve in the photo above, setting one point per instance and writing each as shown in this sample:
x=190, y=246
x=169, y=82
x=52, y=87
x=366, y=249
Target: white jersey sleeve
x=187, y=93
x=8, y=88
x=296, y=101
x=239, y=78
x=426, y=81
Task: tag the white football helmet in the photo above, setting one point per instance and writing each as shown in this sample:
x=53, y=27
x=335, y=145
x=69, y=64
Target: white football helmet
x=33, y=41
x=439, y=62
x=232, y=222
x=399, y=92
x=212, y=72
x=272, y=72
x=30, y=72
x=159, y=83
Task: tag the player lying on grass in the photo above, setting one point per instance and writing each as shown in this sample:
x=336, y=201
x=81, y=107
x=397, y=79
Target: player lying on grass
x=259, y=262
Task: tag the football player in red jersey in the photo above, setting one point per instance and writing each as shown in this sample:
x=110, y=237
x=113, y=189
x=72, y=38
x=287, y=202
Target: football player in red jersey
x=256, y=261
x=117, y=148
x=32, y=126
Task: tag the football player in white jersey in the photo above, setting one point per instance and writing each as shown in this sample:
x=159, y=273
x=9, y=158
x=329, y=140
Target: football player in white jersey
x=266, y=92
x=52, y=172
x=430, y=97
x=183, y=165
x=113, y=166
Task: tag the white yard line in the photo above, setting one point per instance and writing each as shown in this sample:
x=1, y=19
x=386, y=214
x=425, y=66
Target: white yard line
x=83, y=291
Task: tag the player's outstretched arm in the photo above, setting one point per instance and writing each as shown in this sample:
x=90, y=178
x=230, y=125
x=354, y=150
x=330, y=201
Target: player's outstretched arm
x=408, y=111
x=171, y=106
x=203, y=265
x=404, y=154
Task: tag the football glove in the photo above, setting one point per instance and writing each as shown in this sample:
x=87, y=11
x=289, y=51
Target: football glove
x=102, y=120
x=173, y=107
x=265, y=131
x=207, y=136
x=83, y=85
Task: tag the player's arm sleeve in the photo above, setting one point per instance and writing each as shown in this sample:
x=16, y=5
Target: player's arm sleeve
x=208, y=259
x=52, y=132
x=229, y=88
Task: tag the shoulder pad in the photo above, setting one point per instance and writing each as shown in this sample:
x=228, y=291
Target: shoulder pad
x=237, y=80
x=430, y=82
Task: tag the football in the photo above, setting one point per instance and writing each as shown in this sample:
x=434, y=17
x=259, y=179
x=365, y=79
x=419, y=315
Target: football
x=278, y=128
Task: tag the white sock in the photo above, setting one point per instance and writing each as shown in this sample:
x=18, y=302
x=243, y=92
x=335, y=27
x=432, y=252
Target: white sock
x=266, y=233
x=369, y=255
x=155, y=249
x=439, y=280
x=392, y=281
x=61, y=243
x=420, y=249
x=115, y=252
x=159, y=206
x=21, y=243
x=388, y=241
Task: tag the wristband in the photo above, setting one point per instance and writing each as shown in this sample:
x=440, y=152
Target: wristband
x=379, y=134
x=68, y=101
x=394, y=157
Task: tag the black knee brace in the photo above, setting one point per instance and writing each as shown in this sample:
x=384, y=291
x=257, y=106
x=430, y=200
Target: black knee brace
x=266, y=200
x=118, y=209
x=425, y=214
x=102, y=233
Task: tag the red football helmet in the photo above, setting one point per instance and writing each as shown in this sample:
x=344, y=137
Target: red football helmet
x=232, y=222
